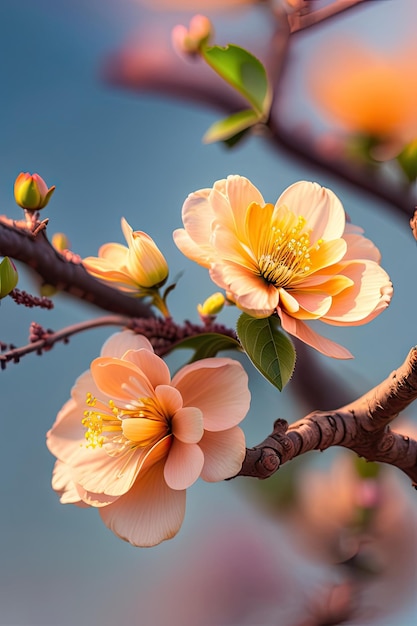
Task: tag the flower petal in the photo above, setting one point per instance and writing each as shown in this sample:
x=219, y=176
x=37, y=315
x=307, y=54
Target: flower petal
x=99, y=473
x=121, y=380
x=218, y=387
x=144, y=431
x=299, y=329
x=169, y=399
x=121, y=342
x=241, y=193
x=320, y=207
x=67, y=434
x=224, y=453
x=201, y=254
x=187, y=425
x=151, y=365
x=250, y=292
x=183, y=465
x=149, y=513
x=197, y=217
x=63, y=484
x=355, y=304
x=360, y=247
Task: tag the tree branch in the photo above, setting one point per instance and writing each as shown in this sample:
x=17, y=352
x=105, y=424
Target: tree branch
x=300, y=20
x=37, y=253
x=163, y=334
x=362, y=426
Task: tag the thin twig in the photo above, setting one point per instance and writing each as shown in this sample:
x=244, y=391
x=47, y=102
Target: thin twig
x=300, y=20
x=163, y=334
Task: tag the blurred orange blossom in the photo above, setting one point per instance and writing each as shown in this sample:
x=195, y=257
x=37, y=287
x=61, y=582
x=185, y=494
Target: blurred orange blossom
x=131, y=440
x=366, y=92
x=297, y=258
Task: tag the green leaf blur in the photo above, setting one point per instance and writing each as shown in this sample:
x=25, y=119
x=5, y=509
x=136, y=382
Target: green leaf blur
x=207, y=345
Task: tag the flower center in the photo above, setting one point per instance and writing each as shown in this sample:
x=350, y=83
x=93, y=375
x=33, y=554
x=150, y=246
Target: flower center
x=287, y=252
x=119, y=429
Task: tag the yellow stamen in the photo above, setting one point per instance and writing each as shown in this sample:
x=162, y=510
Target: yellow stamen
x=287, y=253
x=104, y=423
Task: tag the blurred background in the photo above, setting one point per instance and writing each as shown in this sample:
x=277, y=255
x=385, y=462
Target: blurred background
x=248, y=553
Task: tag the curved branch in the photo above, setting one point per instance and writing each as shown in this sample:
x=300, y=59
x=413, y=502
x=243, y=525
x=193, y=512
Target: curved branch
x=362, y=426
x=153, y=67
x=37, y=253
x=163, y=334
x=398, y=198
x=300, y=20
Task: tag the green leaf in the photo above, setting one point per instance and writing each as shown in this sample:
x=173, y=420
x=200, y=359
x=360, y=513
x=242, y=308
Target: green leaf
x=269, y=349
x=244, y=72
x=207, y=345
x=231, y=126
x=407, y=160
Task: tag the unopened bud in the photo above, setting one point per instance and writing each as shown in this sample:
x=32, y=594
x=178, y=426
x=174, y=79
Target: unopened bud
x=60, y=242
x=8, y=277
x=190, y=40
x=31, y=192
x=212, y=306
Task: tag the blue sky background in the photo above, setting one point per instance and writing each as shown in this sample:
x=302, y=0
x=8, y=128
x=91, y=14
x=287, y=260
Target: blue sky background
x=112, y=153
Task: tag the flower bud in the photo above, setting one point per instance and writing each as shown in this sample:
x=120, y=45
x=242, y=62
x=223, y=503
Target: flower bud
x=146, y=261
x=134, y=269
x=212, y=306
x=189, y=41
x=60, y=242
x=8, y=277
x=31, y=192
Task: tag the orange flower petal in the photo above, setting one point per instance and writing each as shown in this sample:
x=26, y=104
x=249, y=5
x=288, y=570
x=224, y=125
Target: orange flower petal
x=224, y=453
x=183, y=465
x=149, y=513
x=187, y=425
x=299, y=329
x=121, y=380
x=223, y=409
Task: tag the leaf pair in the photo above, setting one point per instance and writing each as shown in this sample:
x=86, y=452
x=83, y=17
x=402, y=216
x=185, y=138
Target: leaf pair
x=247, y=75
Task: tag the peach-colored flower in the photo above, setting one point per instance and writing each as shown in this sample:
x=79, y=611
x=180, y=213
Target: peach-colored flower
x=134, y=269
x=297, y=258
x=367, y=92
x=131, y=440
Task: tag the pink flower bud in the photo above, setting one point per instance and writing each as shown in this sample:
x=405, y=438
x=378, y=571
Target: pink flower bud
x=189, y=41
x=31, y=192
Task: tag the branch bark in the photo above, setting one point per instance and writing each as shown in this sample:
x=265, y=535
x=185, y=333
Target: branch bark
x=39, y=255
x=362, y=426
x=300, y=20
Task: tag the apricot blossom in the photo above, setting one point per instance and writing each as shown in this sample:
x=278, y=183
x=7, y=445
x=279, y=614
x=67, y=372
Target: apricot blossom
x=297, y=259
x=131, y=440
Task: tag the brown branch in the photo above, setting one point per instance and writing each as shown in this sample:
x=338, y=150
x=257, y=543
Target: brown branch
x=37, y=253
x=362, y=426
x=164, y=334
x=398, y=198
x=300, y=20
x=153, y=67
